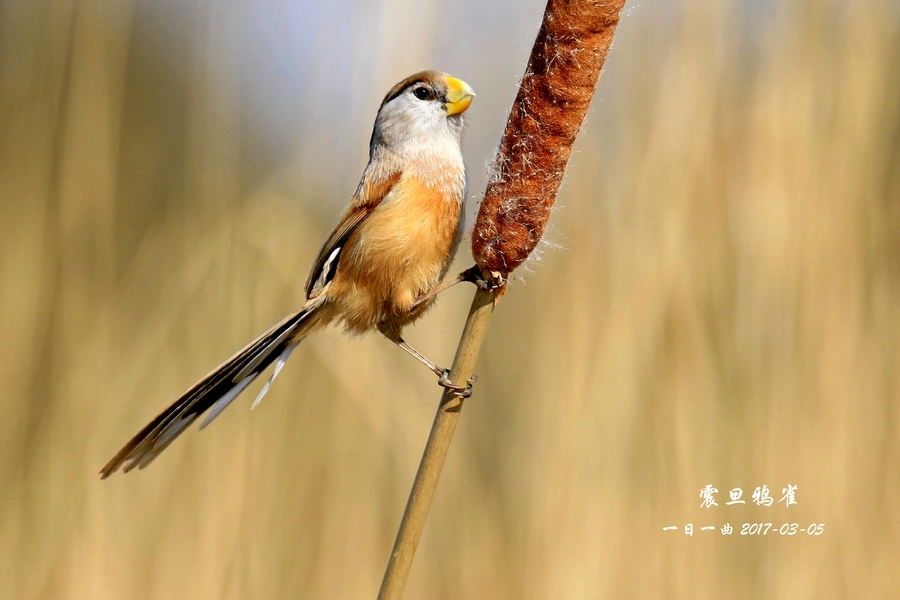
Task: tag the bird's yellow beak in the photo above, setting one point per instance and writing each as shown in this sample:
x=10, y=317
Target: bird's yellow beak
x=459, y=97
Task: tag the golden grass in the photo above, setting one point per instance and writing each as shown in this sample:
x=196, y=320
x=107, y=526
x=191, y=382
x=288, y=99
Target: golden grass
x=723, y=309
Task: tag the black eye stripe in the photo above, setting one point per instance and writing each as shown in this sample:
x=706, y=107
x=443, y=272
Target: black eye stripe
x=397, y=92
x=429, y=79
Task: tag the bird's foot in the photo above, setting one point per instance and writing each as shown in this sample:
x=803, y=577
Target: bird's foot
x=460, y=391
x=483, y=280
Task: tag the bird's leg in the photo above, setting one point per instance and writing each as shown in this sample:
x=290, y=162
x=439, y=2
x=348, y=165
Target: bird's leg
x=463, y=391
x=446, y=285
x=472, y=275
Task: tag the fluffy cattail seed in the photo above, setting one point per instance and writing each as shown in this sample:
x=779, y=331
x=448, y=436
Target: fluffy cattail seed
x=553, y=99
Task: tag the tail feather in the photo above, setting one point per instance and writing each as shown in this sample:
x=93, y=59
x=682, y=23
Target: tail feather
x=217, y=390
x=278, y=366
x=223, y=402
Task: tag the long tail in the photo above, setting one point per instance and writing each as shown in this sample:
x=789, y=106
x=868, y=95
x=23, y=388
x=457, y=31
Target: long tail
x=217, y=390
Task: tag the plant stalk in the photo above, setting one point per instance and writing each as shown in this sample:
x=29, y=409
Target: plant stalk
x=436, y=448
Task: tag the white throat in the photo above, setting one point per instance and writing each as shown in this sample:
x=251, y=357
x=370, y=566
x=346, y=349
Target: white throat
x=421, y=135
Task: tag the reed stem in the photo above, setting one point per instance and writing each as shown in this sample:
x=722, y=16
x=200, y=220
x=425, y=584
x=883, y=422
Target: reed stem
x=436, y=449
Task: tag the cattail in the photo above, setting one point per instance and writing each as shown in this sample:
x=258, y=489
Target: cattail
x=553, y=100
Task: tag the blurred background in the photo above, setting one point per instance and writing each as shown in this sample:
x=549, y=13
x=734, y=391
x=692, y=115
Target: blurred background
x=718, y=302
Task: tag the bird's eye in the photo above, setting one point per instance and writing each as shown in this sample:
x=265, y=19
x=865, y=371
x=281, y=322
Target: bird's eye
x=422, y=93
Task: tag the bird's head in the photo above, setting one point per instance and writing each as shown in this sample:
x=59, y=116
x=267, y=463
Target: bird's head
x=423, y=109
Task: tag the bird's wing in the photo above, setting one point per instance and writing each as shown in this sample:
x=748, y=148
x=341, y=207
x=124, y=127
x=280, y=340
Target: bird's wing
x=370, y=195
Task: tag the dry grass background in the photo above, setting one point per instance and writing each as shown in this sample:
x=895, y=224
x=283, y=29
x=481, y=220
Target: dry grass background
x=723, y=307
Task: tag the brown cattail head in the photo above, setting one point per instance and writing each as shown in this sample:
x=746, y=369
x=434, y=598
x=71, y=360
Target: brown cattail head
x=553, y=99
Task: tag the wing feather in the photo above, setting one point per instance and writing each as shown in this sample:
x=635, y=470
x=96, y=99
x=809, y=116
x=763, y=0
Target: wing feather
x=370, y=194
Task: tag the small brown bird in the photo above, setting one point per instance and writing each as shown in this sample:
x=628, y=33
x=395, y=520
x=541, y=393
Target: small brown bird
x=392, y=246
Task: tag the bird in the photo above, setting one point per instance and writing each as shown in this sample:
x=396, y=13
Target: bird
x=378, y=269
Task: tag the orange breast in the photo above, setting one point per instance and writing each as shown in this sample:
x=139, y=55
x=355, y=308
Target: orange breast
x=400, y=251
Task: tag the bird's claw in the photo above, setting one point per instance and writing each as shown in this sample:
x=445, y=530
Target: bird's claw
x=460, y=391
x=486, y=283
x=493, y=283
